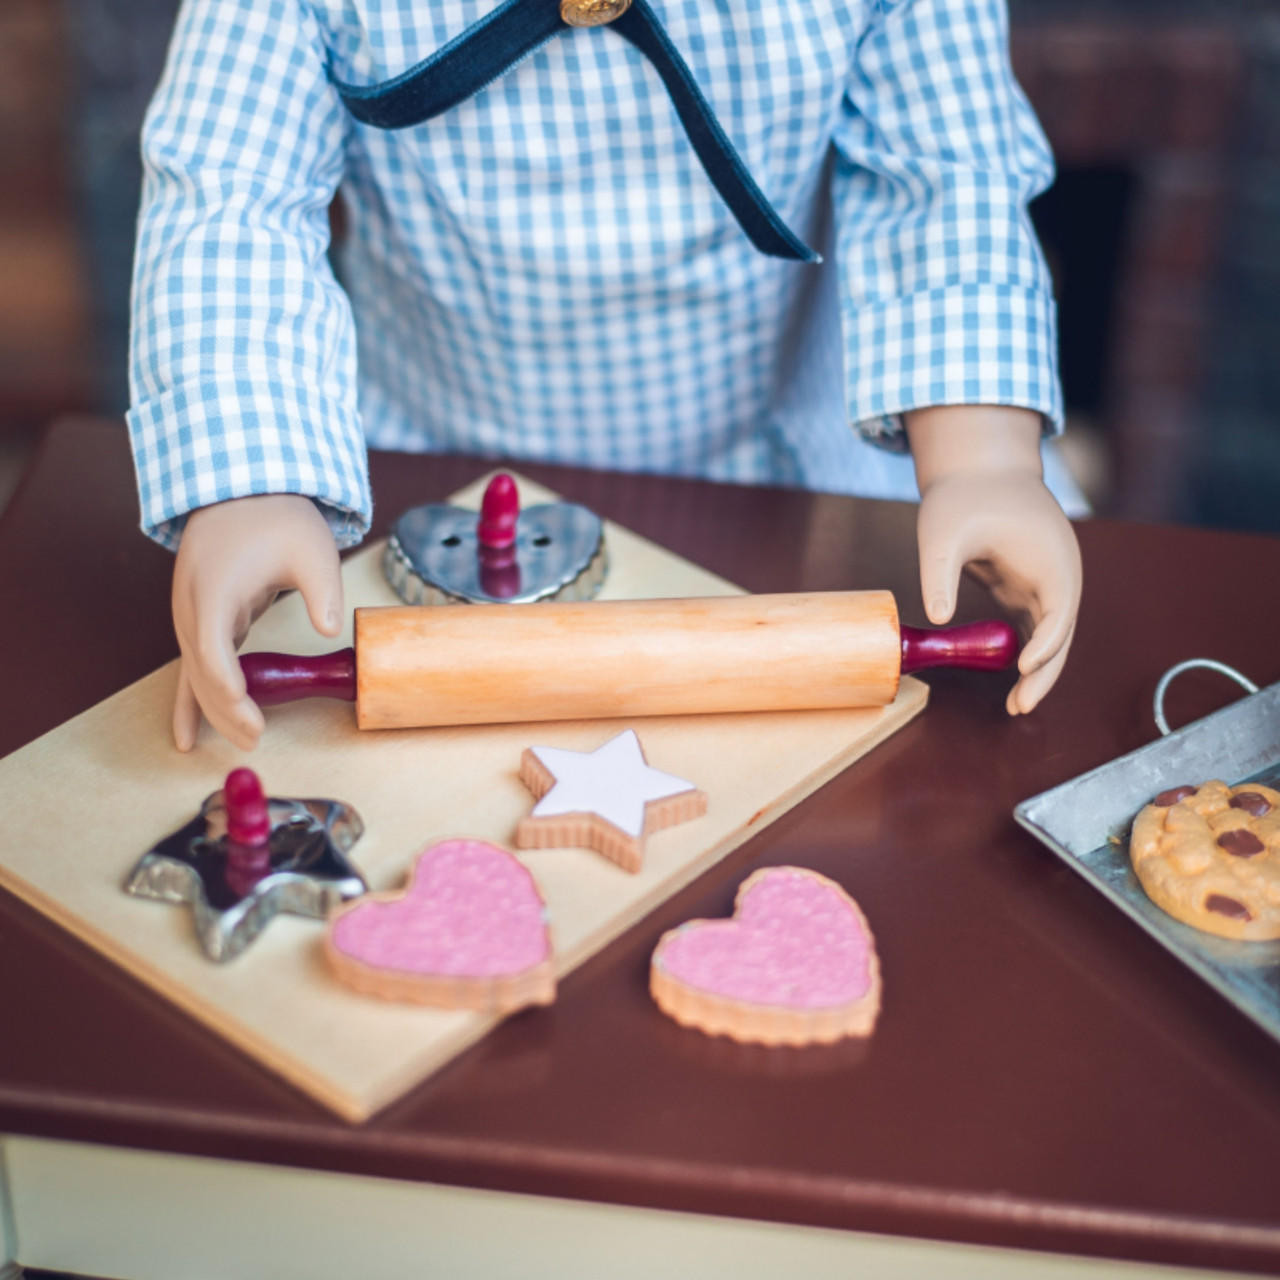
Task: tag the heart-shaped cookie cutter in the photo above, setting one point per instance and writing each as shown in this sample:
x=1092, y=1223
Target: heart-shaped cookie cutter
x=442, y=554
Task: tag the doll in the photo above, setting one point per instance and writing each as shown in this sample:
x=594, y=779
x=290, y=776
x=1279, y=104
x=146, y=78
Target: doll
x=559, y=265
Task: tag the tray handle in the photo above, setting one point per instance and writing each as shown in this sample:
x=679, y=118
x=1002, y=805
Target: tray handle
x=1191, y=663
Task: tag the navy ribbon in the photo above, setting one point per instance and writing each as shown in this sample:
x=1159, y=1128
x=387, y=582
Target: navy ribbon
x=515, y=28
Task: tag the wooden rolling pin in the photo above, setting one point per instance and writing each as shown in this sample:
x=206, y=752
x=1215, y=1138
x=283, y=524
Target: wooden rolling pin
x=497, y=663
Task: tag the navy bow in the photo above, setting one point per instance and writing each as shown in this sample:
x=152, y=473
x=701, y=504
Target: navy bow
x=515, y=28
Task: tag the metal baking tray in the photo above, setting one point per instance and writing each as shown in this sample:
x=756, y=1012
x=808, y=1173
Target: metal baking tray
x=1086, y=822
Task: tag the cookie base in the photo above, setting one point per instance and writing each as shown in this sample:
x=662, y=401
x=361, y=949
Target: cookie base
x=765, y=1024
x=503, y=994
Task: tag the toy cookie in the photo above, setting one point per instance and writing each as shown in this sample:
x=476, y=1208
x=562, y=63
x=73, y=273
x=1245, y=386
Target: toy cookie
x=795, y=965
x=608, y=799
x=1209, y=855
x=469, y=932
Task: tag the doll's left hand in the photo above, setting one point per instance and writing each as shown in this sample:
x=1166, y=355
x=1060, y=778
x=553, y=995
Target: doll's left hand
x=984, y=506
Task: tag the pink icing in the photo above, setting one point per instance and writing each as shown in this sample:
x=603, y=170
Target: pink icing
x=471, y=910
x=794, y=942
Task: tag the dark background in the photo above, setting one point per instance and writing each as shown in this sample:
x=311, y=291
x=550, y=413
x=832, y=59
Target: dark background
x=1163, y=231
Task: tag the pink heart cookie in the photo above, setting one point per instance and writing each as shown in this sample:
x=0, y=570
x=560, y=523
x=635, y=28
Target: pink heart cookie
x=469, y=932
x=795, y=965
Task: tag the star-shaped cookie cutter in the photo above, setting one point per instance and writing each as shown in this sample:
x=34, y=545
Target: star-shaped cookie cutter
x=296, y=863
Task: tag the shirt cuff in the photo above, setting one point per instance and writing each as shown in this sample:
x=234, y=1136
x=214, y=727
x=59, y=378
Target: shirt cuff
x=195, y=446
x=958, y=344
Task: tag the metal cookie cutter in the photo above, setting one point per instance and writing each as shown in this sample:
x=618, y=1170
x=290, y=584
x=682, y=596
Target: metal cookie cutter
x=441, y=554
x=244, y=858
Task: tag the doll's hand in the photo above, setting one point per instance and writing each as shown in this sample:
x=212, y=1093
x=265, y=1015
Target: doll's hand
x=233, y=560
x=984, y=506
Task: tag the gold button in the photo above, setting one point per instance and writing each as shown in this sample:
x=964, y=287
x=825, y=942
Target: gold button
x=592, y=13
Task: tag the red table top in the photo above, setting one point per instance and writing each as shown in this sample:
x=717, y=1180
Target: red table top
x=1043, y=1073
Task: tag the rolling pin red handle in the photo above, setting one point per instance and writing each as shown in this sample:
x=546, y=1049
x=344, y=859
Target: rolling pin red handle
x=979, y=646
x=286, y=677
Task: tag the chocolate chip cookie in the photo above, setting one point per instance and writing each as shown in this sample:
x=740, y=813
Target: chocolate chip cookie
x=1209, y=855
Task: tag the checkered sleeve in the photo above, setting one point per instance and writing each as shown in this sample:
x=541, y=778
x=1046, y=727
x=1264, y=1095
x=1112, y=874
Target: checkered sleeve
x=242, y=362
x=946, y=298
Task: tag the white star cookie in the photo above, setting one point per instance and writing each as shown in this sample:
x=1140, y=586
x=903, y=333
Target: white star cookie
x=608, y=799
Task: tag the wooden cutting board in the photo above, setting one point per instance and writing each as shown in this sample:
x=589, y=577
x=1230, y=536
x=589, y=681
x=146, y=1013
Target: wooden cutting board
x=87, y=799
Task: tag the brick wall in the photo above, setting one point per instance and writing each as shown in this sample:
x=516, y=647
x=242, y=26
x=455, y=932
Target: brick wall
x=44, y=364
x=1162, y=104
x=1232, y=478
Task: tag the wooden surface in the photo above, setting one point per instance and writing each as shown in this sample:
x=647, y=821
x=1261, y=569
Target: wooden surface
x=1042, y=1075
x=113, y=771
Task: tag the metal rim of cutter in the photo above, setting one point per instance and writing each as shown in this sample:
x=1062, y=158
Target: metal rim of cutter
x=404, y=579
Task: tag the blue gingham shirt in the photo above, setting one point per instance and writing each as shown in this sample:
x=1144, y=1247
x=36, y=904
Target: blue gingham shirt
x=546, y=272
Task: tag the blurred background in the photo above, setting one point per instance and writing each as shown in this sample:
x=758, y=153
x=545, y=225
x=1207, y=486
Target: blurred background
x=1163, y=231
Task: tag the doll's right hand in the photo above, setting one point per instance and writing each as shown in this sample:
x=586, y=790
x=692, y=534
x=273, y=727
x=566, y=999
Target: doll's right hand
x=233, y=560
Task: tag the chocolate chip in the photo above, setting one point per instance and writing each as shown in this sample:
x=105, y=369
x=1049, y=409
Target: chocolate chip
x=1173, y=795
x=1253, y=802
x=1241, y=843
x=1229, y=907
